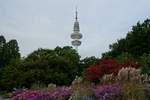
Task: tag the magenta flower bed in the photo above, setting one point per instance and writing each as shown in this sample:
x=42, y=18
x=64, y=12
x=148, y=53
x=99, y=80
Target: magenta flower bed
x=107, y=92
x=101, y=92
x=60, y=93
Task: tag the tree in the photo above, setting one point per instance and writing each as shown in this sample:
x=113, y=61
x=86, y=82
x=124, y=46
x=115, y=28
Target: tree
x=139, y=39
x=86, y=62
x=90, y=61
x=8, y=51
x=145, y=64
x=136, y=42
x=2, y=43
x=68, y=53
x=60, y=64
x=11, y=51
x=42, y=66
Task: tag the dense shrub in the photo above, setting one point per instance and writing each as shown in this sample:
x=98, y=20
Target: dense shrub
x=93, y=73
x=106, y=66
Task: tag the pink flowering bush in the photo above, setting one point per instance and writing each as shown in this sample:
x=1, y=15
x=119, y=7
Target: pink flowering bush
x=60, y=93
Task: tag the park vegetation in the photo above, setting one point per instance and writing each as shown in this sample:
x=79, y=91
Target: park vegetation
x=123, y=73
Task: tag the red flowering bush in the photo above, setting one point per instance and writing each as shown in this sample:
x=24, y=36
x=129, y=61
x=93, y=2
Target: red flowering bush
x=106, y=66
x=93, y=73
x=109, y=66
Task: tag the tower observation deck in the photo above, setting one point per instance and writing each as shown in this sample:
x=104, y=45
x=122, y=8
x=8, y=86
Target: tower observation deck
x=76, y=35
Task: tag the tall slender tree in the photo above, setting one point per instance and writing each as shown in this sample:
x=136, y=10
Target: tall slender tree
x=8, y=51
x=2, y=43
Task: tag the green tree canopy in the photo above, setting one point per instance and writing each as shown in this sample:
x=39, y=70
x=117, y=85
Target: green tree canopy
x=8, y=51
x=2, y=43
x=42, y=66
x=135, y=43
x=61, y=64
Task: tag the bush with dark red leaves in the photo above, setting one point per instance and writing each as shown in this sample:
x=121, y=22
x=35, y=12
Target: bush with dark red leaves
x=106, y=66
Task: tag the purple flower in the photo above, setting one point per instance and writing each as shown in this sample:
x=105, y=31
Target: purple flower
x=107, y=92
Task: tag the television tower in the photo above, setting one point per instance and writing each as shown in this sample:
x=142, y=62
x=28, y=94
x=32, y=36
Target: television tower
x=76, y=35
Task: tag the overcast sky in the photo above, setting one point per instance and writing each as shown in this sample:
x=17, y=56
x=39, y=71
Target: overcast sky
x=49, y=23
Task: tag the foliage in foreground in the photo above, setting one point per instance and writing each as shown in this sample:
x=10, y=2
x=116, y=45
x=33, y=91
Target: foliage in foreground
x=60, y=93
x=129, y=84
